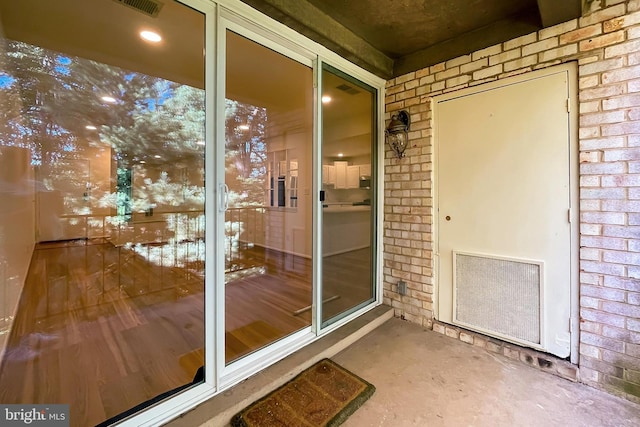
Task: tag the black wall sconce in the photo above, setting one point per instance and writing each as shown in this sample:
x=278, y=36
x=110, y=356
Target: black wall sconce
x=397, y=133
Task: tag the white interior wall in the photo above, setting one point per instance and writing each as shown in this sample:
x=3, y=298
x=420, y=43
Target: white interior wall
x=53, y=221
x=17, y=237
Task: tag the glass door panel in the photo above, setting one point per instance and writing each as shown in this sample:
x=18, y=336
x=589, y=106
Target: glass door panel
x=268, y=172
x=348, y=142
x=104, y=273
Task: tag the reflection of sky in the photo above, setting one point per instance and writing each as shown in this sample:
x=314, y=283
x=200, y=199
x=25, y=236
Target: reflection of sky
x=6, y=81
x=62, y=68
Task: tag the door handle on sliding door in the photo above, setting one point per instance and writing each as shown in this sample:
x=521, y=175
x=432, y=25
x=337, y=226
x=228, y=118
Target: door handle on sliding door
x=224, y=197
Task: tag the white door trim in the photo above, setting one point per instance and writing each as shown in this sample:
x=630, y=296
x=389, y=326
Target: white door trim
x=572, y=104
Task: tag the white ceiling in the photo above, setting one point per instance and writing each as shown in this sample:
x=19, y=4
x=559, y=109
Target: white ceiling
x=107, y=31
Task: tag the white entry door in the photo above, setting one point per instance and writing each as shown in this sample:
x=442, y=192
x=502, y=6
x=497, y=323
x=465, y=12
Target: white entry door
x=503, y=199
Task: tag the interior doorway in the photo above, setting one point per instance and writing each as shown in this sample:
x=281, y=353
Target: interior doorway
x=504, y=197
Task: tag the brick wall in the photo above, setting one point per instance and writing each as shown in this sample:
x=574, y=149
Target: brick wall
x=606, y=44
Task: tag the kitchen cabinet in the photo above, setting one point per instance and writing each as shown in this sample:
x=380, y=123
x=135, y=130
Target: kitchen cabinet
x=329, y=174
x=353, y=176
x=341, y=174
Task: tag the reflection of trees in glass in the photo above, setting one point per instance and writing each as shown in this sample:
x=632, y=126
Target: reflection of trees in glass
x=124, y=193
x=47, y=99
x=245, y=153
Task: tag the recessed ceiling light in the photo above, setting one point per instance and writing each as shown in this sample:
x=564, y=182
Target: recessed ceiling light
x=157, y=156
x=142, y=161
x=326, y=99
x=340, y=154
x=91, y=127
x=150, y=36
x=243, y=127
x=109, y=99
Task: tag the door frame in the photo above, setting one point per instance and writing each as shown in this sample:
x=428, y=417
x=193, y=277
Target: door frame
x=571, y=70
x=285, y=41
x=320, y=324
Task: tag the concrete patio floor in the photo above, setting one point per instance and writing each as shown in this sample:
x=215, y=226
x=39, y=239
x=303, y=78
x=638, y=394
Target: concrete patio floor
x=423, y=378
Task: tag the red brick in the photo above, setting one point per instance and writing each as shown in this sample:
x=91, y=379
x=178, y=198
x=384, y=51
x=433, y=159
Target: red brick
x=581, y=34
x=602, y=41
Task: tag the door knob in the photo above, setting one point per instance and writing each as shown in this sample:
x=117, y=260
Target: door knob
x=448, y=218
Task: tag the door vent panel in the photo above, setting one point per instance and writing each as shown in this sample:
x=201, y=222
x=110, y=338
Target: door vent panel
x=498, y=296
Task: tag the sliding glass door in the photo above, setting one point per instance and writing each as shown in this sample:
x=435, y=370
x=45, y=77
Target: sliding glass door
x=159, y=210
x=348, y=194
x=268, y=259
x=102, y=195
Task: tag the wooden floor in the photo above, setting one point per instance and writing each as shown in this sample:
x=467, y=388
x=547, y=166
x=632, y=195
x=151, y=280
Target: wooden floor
x=103, y=329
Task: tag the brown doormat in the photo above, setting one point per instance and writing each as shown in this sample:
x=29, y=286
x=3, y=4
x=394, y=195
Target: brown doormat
x=323, y=395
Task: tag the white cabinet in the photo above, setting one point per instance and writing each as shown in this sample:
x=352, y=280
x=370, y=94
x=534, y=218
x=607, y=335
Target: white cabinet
x=341, y=174
x=328, y=174
x=353, y=176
